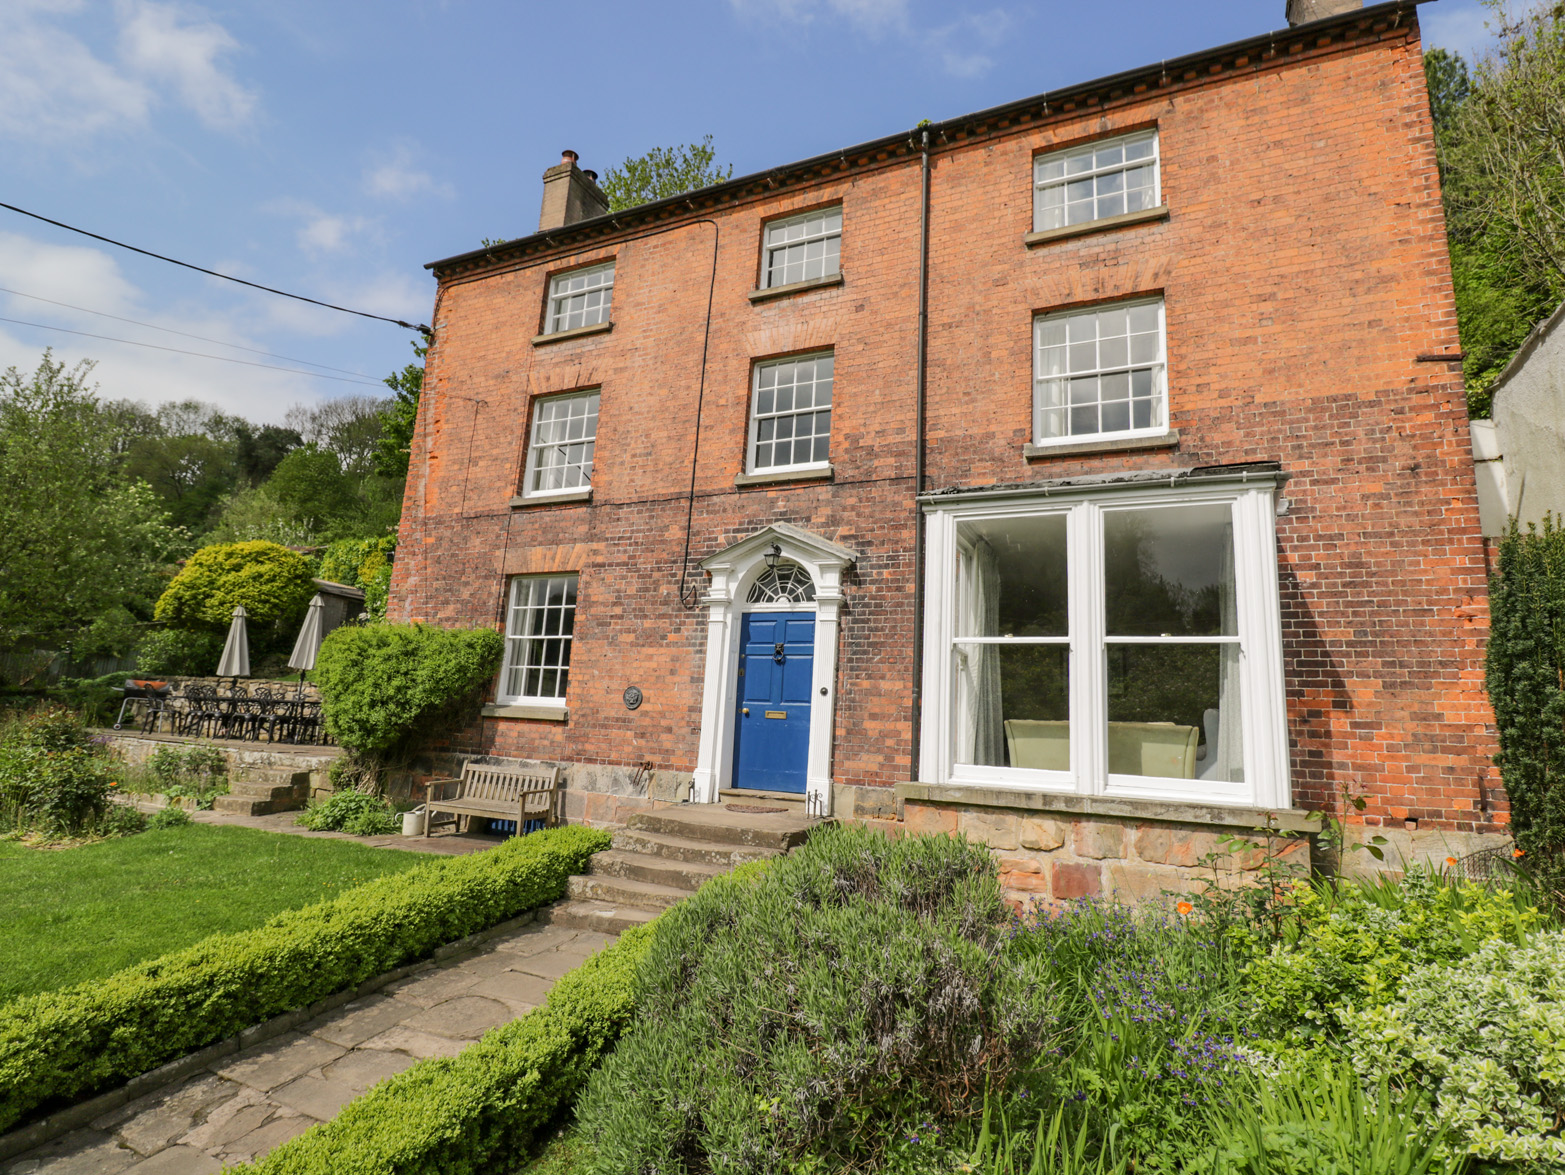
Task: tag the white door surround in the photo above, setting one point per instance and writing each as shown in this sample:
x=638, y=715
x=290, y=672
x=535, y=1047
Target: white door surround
x=734, y=570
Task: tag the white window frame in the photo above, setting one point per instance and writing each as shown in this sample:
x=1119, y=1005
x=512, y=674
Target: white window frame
x=514, y=641
x=1041, y=185
x=1158, y=367
x=565, y=288
x=753, y=443
x=771, y=249
x=536, y=447
x=1263, y=715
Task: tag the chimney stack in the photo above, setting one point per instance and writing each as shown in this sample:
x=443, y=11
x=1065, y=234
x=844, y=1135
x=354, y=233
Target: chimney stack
x=1304, y=11
x=570, y=194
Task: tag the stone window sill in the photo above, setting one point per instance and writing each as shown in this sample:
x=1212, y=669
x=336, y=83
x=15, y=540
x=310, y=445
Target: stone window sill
x=766, y=477
x=815, y=283
x=1108, y=223
x=1169, y=811
x=551, y=499
x=1163, y=440
x=576, y=332
x=541, y=713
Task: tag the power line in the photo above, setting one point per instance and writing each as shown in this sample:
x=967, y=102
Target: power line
x=186, y=334
x=213, y=273
x=197, y=354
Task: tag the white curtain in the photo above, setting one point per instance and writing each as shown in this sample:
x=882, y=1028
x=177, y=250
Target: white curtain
x=1225, y=760
x=980, y=716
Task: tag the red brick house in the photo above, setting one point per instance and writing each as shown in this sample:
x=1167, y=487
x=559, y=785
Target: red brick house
x=1090, y=473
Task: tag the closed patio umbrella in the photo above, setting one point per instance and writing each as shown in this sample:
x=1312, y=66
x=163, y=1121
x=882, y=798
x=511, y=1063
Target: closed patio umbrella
x=308, y=646
x=236, y=652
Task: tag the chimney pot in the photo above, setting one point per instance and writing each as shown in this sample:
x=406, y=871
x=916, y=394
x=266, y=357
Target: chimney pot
x=1305, y=11
x=592, y=175
x=569, y=194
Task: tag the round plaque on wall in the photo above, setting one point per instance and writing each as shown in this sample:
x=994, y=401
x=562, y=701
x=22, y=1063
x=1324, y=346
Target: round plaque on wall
x=632, y=697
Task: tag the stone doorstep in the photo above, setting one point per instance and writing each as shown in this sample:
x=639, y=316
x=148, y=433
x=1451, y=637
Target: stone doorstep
x=714, y=824
x=695, y=852
x=636, y=866
x=47, y=1129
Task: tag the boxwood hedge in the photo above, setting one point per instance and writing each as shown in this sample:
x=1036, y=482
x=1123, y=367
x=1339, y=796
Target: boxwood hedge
x=61, y=1046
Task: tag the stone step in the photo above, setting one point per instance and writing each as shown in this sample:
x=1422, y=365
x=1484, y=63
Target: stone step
x=622, y=891
x=604, y=917
x=696, y=852
x=270, y=776
x=714, y=824
x=263, y=791
x=251, y=806
x=793, y=801
x=685, y=875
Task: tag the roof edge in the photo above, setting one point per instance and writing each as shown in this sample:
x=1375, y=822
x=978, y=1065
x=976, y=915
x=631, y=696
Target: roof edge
x=794, y=174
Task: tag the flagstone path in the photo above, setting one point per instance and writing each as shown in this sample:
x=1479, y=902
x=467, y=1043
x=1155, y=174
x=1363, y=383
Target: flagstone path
x=246, y=1103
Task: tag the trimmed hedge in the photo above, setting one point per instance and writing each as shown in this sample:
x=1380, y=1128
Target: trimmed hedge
x=61, y=1046
x=480, y=1110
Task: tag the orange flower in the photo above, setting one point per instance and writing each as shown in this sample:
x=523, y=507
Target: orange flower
x=1518, y=852
x=1450, y=860
x=1183, y=907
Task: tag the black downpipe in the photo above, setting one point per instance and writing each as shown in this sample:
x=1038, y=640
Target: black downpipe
x=918, y=464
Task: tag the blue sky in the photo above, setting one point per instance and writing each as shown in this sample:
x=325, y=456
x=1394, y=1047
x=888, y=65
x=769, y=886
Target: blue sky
x=332, y=148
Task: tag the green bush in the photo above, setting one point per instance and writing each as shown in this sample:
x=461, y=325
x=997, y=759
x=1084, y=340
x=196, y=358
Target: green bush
x=384, y=686
x=179, y=652
x=1526, y=649
x=52, y=776
x=96, y=699
x=352, y=812
x=198, y=773
x=272, y=582
x=169, y=817
x=480, y=1110
x=858, y=983
x=1486, y=1036
x=1350, y=945
x=362, y=563
x=61, y=1046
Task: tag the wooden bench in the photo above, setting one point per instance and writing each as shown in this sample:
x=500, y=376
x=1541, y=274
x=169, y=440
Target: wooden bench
x=506, y=791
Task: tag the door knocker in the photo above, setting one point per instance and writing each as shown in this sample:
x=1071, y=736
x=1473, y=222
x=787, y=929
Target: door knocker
x=777, y=652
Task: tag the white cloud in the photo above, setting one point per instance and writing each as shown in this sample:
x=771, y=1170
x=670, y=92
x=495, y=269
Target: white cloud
x=161, y=43
x=86, y=277
x=396, y=178
x=869, y=15
x=959, y=45
x=55, y=86
x=52, y=86
x=1460, y=26
x=323, y=232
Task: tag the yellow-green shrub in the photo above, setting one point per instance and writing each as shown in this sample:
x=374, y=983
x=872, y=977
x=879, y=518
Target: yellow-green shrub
x=61, y=1046
x=270, y=581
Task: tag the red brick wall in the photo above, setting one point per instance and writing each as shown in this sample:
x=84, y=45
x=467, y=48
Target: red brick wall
x=1304, y=272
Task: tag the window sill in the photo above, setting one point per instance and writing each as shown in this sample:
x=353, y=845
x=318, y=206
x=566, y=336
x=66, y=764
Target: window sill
x=814, y=283
x=1106, y=224
x=1173, y=811
x=810, y=473
x=1162, y=440
x=516, y=710
x=550, y=499
x=576, y=332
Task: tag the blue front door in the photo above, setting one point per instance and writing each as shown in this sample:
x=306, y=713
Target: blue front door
x=772, y=727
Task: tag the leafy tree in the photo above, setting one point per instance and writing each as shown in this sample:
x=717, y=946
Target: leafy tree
x=348, y=427
x=663, y=172
x=76, y=539
x=259, y=449
x=190, y=471
x=312, y=487
x=1500, y=135
x=399, y=418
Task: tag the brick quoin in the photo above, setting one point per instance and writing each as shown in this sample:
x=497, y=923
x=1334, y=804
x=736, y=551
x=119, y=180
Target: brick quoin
x=1307, y=286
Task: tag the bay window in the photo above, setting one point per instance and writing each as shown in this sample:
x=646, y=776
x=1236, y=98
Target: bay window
x=1123, y=643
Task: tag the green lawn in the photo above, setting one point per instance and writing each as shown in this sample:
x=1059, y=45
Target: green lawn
x=84, y=913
